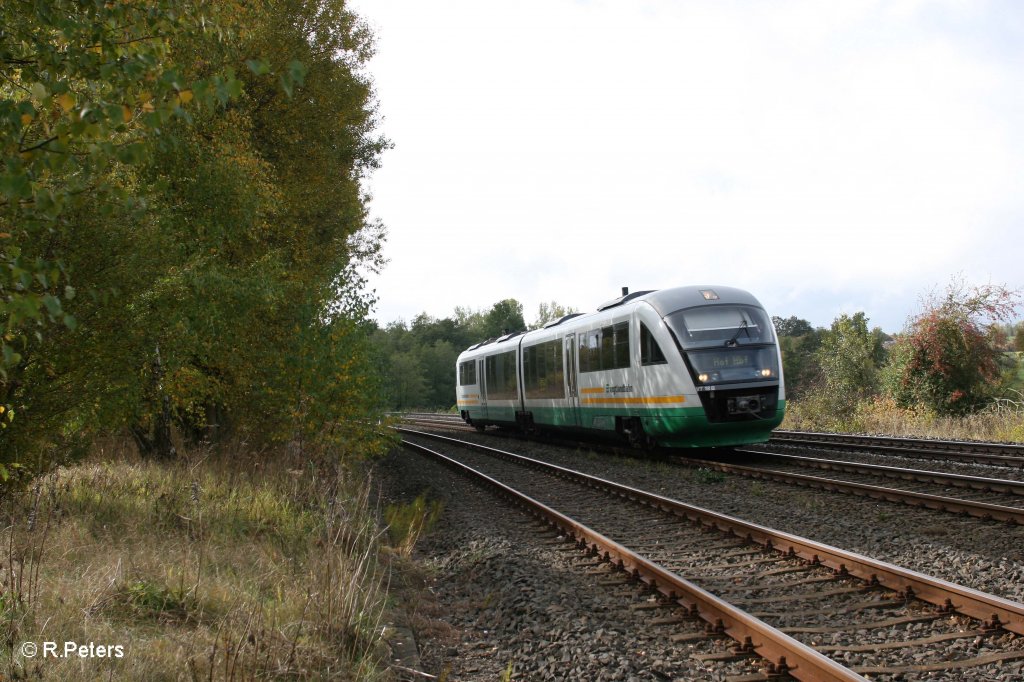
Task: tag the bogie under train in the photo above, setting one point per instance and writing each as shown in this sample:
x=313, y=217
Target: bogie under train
x=682, y=367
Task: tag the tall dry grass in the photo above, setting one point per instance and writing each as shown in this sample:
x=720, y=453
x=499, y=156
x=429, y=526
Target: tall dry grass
x=221, y=566
x=1001, y=421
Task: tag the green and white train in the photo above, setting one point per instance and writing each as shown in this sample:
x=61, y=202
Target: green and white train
x=691, y=366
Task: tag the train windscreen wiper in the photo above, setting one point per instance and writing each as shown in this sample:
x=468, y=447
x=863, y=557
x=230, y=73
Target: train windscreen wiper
x=733, y=341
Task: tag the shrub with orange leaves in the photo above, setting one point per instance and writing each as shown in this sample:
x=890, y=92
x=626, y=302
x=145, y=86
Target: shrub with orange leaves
x=945, y=359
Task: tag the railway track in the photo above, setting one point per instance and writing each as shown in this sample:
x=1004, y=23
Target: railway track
x=981, y=497
x=971, y=452
x=975, y=452
x=797, y=603
x=985, y=498
x=432, y=419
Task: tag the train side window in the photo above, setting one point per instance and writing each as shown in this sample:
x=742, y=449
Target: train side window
x=605, y=348
x=650, y=351
x=590, y=351
x=501, y=376
x=556, y=374
x=511, y=380
x=620, y=355
x=534, y=371
x=529, y=369
x=542, y=370
x=467, y=373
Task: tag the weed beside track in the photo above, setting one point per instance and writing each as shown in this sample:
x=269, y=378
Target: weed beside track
x=218, y=566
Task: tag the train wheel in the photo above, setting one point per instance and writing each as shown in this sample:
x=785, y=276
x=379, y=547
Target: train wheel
x=637, y=437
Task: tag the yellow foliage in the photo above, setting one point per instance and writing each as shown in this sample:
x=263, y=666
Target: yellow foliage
x=66, y=101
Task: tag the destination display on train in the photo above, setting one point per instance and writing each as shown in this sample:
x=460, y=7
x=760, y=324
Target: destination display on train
x=728, y=360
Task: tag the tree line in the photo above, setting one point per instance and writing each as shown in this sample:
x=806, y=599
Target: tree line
x=181, y=223
x=416, y=360
x=952, y=358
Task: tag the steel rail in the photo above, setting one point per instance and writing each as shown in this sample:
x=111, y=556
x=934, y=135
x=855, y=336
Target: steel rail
x=994, y=610
x=945, y=444
x=426, y=415
x=956, y=505
x=1002, y=454
x=978, y=509
x=439, y=424
x=786, y=654
x=1000, y=485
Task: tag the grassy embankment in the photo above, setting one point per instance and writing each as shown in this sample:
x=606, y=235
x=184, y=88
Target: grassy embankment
x=230, y=566
x=1002, y=421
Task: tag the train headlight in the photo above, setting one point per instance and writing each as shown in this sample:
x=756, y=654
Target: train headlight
x=766, y=372
x=703, y=378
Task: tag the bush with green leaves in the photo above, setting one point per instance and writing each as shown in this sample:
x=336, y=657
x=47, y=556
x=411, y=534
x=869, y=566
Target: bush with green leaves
x=850, y=356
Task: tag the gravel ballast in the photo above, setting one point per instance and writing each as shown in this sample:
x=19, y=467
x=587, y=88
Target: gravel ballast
x=496, y=597
x=486, y=543
x=984, y=555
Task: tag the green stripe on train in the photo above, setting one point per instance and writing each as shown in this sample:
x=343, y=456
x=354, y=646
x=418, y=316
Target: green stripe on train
x=670, y=426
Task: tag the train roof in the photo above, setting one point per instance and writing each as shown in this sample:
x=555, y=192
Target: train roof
x=667, y=301
x=664, y=302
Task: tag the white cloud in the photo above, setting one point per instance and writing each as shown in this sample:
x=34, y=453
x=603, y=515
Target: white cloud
x=559, y=150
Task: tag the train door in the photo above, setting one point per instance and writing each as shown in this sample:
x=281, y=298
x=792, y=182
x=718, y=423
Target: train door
x=482, y=375
x=572, y=389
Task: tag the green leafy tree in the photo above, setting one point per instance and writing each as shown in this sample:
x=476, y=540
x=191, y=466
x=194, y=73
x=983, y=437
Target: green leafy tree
x=472, y=322
x=800, y=363
x=792, y=326
x=213, y=249
x=849, y=357
x=504, y=316
x=429, y=331
x=285, y=261
x=799, y=343
x=86, y=91
x=89, y=92
x=1018, y=339
x=399, y=363
x=418, y=359
x=406, y=380
x=945, y=359
x=547, y=312
x=438, y=362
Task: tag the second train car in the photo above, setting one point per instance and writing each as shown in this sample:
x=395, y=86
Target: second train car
x=694, y=366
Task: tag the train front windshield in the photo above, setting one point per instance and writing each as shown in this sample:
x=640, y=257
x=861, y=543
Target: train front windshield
x=726, y=343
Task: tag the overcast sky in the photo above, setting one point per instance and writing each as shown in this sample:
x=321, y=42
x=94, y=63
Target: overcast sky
x=829, y=157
